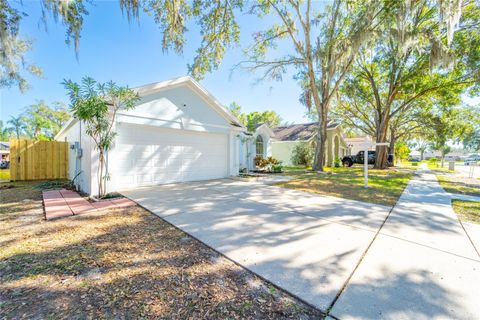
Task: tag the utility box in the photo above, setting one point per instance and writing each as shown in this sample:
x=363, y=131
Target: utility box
x=451, y=165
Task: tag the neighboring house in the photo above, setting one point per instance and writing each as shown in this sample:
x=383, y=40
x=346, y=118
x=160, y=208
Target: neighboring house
x=287, y=137
x=355, y=144
x=454, y=155
x=178, y=132
x=4, y=150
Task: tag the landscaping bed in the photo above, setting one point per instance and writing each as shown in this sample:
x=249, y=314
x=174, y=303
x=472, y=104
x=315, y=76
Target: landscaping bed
x=385, y=186
x=121, y=263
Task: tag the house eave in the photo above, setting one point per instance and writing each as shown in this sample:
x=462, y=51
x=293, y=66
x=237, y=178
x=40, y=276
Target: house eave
x=65, y=127
x=266, y=127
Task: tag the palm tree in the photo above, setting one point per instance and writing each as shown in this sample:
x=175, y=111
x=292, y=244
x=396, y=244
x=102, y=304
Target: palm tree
x=4, y=132
x=17, y=125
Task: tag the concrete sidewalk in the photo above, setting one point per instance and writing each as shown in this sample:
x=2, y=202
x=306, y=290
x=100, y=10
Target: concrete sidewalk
x=422, y=265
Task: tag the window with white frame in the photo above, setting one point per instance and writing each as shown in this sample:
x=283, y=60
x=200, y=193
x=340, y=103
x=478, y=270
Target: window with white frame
x=259, y=146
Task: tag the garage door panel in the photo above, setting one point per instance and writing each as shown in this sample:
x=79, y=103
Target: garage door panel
x=160, y=163
x=146, y=156
x=123, y=180
x=165, y=178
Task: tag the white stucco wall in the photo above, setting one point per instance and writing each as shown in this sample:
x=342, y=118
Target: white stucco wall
x=176, y=108
x=79, y=165
x=245, y=151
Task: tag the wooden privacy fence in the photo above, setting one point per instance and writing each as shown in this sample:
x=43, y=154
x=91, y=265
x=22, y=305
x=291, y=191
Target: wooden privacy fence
x=37, y=160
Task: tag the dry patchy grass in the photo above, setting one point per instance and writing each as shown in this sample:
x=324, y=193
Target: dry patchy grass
x=121, y=263
x=385, y=186
x=453, y=185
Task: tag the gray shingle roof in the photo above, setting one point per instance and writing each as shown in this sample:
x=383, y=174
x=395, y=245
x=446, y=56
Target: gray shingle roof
x=296, y=132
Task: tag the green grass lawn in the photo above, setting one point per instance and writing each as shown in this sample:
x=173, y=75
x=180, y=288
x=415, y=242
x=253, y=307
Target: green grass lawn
x=385, y=186
x=437, y=167
x=410, y=165
x=467, y=210
x=4, y=174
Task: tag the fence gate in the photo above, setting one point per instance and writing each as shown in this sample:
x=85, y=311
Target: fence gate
x=37, y=160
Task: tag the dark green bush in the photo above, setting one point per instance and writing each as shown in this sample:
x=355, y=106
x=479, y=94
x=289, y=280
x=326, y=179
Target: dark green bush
x=302, y=154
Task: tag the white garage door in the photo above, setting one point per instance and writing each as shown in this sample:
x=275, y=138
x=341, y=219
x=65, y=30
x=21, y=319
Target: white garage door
x=146, y=155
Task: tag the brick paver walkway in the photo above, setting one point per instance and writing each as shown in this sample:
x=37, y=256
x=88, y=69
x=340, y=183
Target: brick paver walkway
x=63, y=203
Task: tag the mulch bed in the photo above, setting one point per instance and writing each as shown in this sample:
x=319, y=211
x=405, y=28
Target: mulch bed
x=121, y=263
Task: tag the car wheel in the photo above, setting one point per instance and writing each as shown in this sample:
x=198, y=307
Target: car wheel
x=347, y=163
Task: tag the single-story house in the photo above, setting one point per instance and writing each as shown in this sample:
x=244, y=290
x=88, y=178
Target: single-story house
x=287, y=137
x=280, y=142
x=179, y=132
x=5, y=150
x=454, y=155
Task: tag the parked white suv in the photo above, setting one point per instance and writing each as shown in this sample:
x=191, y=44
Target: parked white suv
x=472, y=159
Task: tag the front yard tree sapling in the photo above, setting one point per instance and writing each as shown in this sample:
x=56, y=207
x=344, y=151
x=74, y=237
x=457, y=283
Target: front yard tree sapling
x=96, y=104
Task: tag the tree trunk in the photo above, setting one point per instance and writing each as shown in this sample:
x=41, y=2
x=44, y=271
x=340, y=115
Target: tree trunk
x=36, y=133
x=100, y=174
x=391, y=148
x=381, y=151
x=422, y=152
x=319, y=159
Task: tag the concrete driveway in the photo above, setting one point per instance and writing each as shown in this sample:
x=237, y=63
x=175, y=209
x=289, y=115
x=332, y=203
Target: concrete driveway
x=307, y=244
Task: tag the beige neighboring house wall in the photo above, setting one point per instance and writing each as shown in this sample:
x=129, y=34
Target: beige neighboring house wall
x=336, y=146
x=282, y=150
x=288, y=137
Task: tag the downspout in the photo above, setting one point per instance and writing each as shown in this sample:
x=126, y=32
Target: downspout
x=106, y=172
x=79, y=159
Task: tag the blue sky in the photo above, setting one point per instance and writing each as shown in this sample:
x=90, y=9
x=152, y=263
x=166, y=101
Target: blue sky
x=131, y=54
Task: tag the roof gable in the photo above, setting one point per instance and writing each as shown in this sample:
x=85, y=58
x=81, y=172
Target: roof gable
x=263, y=127
x=187, y=81
x=151, y=89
